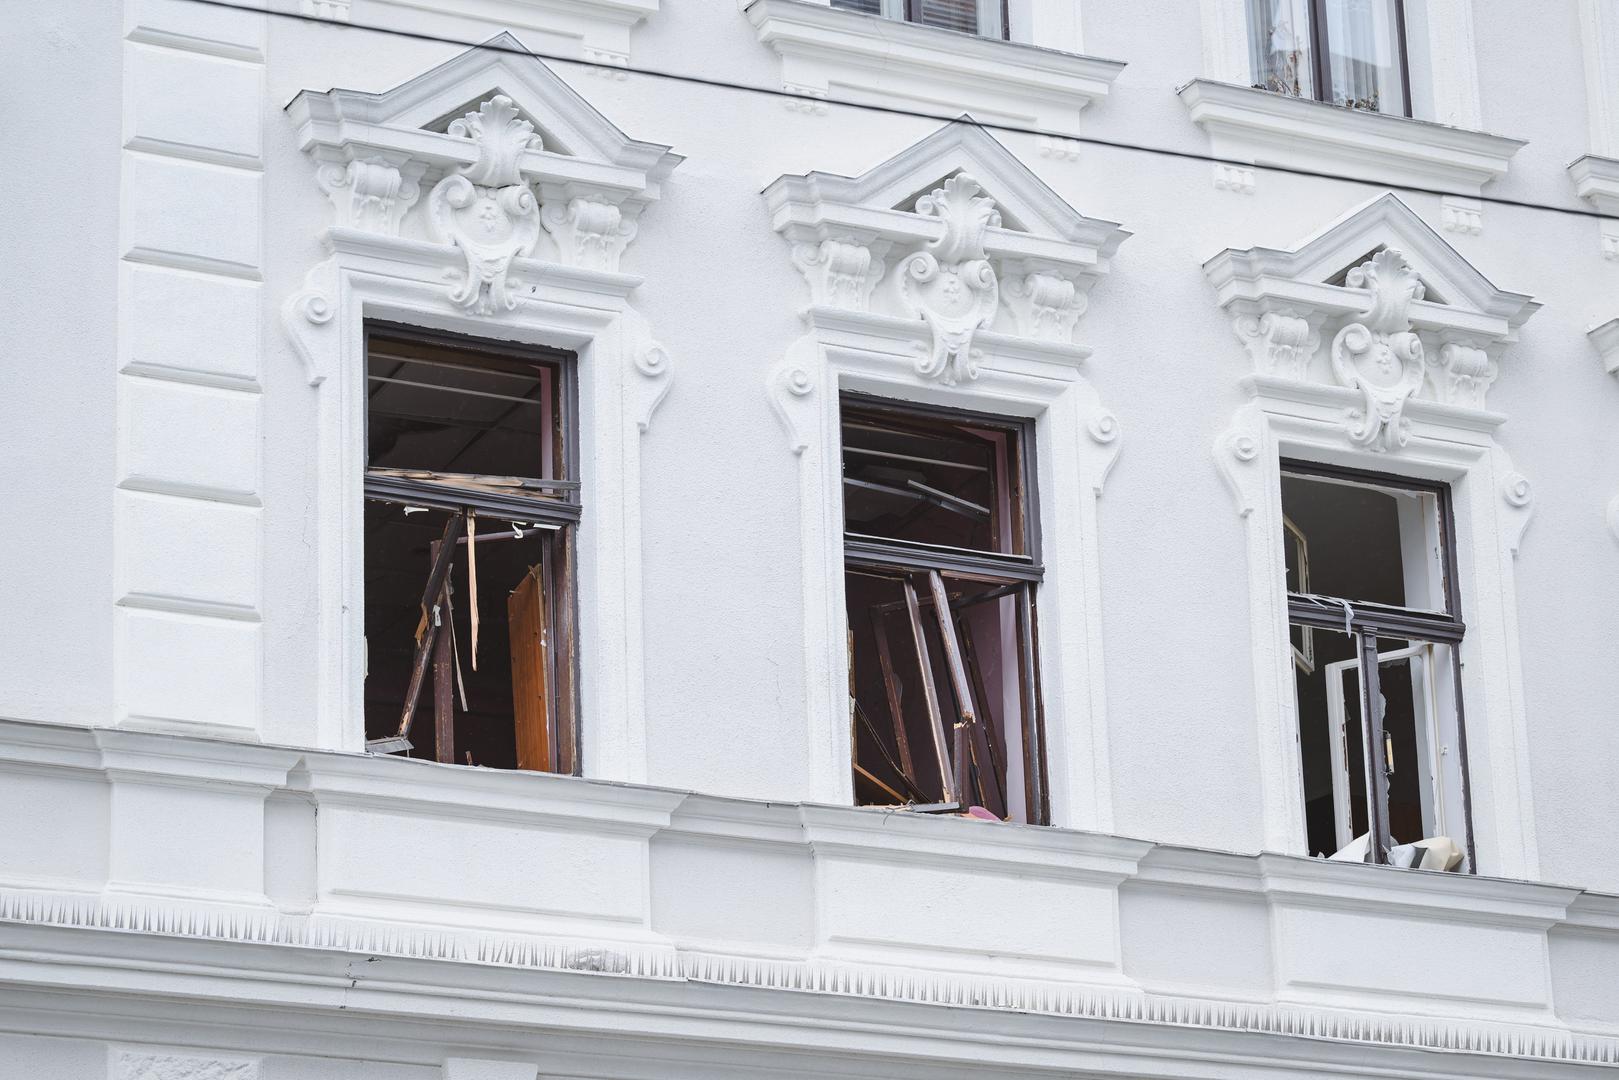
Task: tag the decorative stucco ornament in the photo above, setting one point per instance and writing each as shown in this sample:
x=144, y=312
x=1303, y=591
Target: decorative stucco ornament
x=951, y=283
x=487, y=209
x=1379, y=354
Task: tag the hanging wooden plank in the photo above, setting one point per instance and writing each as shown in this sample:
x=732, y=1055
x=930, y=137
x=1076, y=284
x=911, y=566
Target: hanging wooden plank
x=525, y=613
x=443, y=673
x=444, y=555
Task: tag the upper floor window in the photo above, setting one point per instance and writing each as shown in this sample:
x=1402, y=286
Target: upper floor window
x=470, y=509
x=940, y=572
x=1376, y=632
x=984, y=17
x=1346, y=52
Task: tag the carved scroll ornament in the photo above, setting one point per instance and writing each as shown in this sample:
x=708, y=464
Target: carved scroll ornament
x=1379, y=354
x=950, y=283
x=487, y=209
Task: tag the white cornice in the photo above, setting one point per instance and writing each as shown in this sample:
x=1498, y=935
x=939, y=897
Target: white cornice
x=1264, y=128
x=1605, y=336
x=1596, y=179
x=601, y=29
x=828, y=53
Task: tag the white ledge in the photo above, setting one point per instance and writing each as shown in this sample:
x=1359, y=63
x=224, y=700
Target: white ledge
x=1605, y=336
x=1264, y=128
x=600, y=29
x=828, y=53
x=1596, y=180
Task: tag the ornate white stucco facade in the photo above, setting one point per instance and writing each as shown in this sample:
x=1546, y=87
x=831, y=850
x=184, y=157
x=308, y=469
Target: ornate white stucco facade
x=204, y=876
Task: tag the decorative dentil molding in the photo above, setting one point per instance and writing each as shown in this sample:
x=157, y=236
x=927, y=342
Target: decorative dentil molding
x=129, y=1064
x=532, y=171
x=1413, y=320
x=987, y=246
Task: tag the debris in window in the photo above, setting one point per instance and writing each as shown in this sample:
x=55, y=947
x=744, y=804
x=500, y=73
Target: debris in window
x=939, y=581
x=459, y=431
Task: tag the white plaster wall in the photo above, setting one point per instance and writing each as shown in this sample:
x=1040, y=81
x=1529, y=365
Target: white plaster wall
x=59, y=247
x=724, y=685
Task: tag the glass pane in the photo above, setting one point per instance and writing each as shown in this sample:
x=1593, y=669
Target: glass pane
x=435, y=407
x=869, y=7
x=1366, y=543
x=933, y=480
x=1363, y=53
x=949, y=14
x=1279, y=46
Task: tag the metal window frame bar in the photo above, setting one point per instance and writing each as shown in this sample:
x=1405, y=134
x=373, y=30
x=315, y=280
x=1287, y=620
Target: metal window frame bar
x=1367, y=622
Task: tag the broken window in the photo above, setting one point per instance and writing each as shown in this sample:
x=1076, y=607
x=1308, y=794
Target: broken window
x=470, y=507
x=1376, y=634
x=940, y=572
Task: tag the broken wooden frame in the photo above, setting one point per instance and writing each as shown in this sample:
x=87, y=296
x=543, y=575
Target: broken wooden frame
x=422, y=444
x=1368, y=624
x=945, y=706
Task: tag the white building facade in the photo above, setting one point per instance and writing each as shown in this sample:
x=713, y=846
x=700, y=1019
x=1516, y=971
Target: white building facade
x=663, y=539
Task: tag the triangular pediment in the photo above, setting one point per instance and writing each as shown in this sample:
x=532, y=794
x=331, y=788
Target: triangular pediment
x=1385, y=222
x=1025, y=202
x=567, y=124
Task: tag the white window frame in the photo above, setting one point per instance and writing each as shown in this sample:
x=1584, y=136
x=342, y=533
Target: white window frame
x=372, y=151
x=1278, y=304
x=1020, y=361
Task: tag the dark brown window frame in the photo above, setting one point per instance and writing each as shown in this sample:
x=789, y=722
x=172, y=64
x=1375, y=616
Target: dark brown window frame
x=1366, y=621
x=563, y=511
x=1019, y=573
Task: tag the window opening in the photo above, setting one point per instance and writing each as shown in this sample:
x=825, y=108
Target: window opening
x=1350, y=53
x=470, y=508
x=986, y=18
x=940, y=579
x=1375, y=633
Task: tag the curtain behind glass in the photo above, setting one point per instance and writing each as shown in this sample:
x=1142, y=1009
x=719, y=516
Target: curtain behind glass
x=1279, y=44
x=869, y=7
x=1364, y=55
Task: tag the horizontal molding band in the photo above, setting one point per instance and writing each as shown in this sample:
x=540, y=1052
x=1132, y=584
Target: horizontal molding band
x=224, y=923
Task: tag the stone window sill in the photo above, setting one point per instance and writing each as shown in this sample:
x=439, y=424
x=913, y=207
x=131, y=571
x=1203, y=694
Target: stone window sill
x=831, y=54
x=1265, y=128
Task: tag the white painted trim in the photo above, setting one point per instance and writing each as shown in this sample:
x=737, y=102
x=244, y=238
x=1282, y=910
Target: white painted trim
x=1026, y=259
x=622, y=374
x=831, y=54
x=1075, y=446
x=1265, y=128
x=1599, y=39
x=599, y=31
x=1301, y=407
x=1596, y=180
